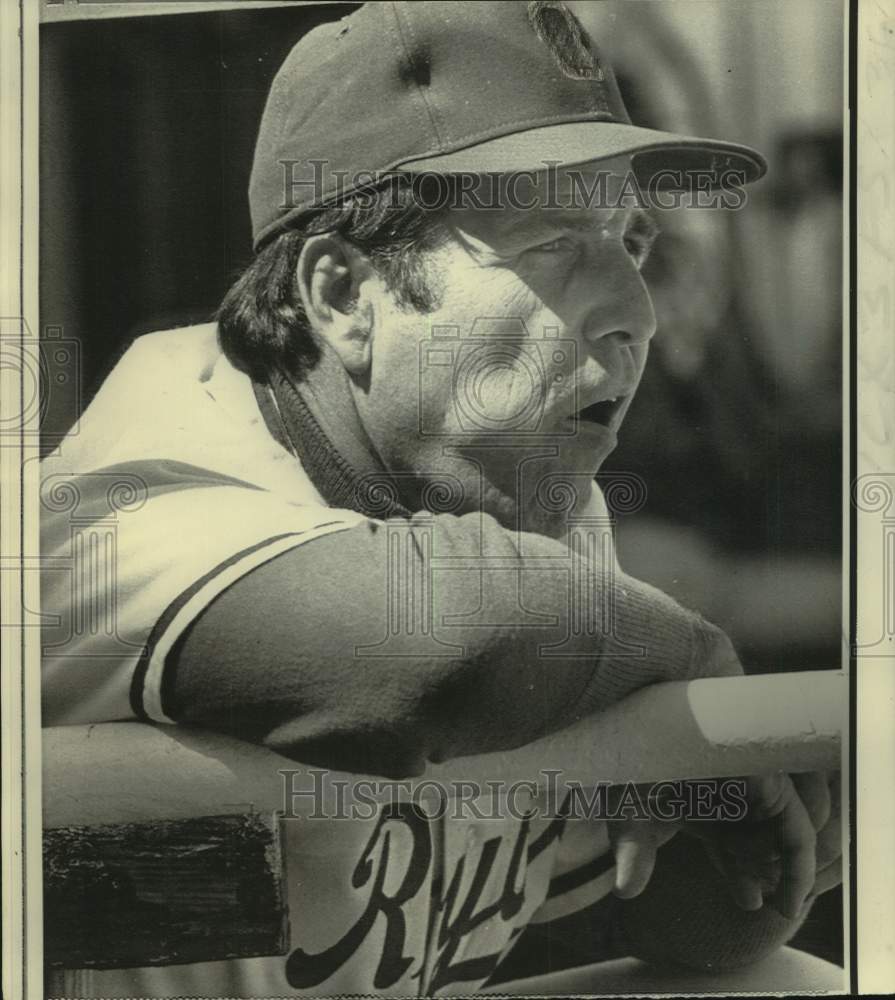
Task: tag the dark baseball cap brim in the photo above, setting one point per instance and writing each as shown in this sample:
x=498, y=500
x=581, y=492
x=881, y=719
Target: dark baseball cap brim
x=658, y=158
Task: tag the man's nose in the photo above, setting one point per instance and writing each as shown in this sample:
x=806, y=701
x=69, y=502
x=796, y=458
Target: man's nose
x=619, y=306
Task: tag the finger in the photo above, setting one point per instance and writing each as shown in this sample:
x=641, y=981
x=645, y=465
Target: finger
x=798, y=847
x=814, y=791
x=833, y=832
x=634, y=865
x=745, y=882
x=836, y=791
x=774, y=797
x=829, y=877
x=635, y=848
x=746, y=892
x=768, y=795
x=829, y=842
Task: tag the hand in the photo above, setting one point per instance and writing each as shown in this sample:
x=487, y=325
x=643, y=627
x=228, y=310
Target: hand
x=829, y=842
x=775, y=851
x=788, y=847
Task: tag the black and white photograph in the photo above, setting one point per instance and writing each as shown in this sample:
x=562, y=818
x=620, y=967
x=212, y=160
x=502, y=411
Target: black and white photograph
x=453, y=512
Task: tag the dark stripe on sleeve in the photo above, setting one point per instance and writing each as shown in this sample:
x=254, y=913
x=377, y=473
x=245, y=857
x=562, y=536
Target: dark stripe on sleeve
x=581, y=876
x=168, y=615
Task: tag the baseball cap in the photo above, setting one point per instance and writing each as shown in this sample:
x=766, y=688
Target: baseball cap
x=454, y=88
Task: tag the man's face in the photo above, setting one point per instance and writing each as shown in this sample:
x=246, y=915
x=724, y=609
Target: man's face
x=514, y=386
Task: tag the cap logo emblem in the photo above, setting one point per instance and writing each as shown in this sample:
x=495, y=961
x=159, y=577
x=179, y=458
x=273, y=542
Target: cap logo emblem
x=558, y=28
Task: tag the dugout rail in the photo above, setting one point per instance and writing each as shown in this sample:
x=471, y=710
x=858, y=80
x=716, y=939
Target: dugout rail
x=181, y=828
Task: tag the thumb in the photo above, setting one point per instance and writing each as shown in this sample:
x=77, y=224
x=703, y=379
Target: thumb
x=635, y=844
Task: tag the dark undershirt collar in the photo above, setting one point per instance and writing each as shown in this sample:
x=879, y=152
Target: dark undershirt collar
x=316, y=420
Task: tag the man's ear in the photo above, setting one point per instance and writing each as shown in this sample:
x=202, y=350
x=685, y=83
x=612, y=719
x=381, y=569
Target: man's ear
x=330, y=277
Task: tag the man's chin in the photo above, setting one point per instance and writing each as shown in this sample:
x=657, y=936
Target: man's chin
x=546, y=510
x=537, y=487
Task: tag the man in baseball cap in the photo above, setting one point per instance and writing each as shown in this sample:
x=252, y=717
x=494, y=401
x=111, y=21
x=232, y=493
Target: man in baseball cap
x=368, y=487
x=455, y=89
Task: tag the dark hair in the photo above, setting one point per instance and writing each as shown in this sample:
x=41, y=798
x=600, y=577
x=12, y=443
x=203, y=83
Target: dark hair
x=262, y=324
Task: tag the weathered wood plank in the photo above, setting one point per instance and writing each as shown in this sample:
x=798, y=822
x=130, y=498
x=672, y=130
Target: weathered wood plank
x=164, y=892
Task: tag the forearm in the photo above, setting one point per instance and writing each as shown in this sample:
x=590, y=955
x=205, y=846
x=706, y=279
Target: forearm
x=288, y=656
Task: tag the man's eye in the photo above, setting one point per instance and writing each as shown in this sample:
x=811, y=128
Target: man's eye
x=551, y=246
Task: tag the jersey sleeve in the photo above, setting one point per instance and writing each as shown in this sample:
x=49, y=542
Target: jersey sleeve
x=130, y=555
x=397, y=644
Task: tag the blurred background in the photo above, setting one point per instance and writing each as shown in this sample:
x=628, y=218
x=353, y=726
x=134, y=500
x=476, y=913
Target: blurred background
x=736, y=429
x=147, y=130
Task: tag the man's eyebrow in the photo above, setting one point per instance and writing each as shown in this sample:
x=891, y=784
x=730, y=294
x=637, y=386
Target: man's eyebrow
x=641, y=222
x=532, y=225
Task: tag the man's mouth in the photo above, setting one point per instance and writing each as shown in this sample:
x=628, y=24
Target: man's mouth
x=602, y=413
